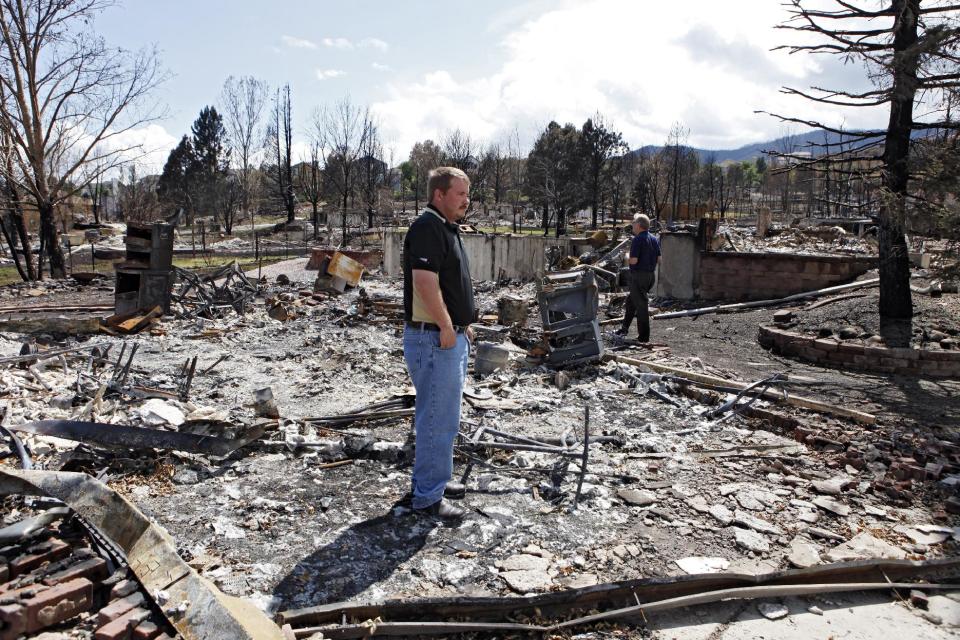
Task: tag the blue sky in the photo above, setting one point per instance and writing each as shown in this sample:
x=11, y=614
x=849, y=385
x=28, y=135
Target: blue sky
x=491, y=68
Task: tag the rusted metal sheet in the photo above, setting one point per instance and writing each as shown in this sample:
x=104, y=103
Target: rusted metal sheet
x=345, y=267
x=117, y=435
x=207, y=613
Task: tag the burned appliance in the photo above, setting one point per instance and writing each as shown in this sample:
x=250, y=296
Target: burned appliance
x=145, y=277
x=568, y=309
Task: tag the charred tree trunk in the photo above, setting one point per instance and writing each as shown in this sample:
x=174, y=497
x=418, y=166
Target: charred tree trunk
x=50, y=243
x=895, y=298
x=9, y=234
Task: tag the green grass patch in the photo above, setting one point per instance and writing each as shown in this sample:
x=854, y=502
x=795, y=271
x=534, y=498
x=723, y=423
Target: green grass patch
x=9, y=274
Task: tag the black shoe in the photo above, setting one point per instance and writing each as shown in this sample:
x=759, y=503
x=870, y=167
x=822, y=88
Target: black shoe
x=443, y=510
x=455, y=490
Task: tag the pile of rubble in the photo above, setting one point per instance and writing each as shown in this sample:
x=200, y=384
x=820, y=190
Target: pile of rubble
x=276, y=451
x=52, y=571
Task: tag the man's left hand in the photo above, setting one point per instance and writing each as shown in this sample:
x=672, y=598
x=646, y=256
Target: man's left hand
x=469, y=334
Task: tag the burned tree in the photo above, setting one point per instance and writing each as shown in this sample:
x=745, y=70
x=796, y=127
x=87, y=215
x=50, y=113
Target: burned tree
x=342, y=128
x=910, y=49
x=279, y=142
x=68, y=100
x=242, y=101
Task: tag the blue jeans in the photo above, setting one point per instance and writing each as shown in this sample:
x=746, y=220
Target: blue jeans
x=437, y=376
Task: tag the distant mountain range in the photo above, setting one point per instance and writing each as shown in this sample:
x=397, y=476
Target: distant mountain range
x=800, y=142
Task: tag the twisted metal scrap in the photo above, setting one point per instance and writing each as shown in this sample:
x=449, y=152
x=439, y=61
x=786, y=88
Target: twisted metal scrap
x=211, y=296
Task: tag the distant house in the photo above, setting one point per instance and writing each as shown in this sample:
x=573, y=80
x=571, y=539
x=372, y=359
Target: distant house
x=369, y=165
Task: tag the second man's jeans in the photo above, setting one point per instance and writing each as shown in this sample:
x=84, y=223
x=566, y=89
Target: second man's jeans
x=438, y=376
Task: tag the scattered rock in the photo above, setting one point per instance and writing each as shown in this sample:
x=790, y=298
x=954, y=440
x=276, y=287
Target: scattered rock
x=186, y=476
x=523, y=562
x=849, y=333
x=527, y=581
x=699, y=504
x=833, y=487
x=637, y=497
x=721, y=514
x=864, y=546
x=156, y=412
x=815, y=610
x=580, y=581
x=757, y=524
x=803, y=554
x=698, y=564
x=751, y=540
x=747, y=500
x=772, y=611
x=934, y=535
x=828, y=504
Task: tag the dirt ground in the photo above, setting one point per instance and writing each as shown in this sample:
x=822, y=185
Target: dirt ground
x=277, y=524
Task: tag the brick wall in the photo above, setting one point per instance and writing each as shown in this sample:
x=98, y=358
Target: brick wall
x=735, y=276
x=850, y=355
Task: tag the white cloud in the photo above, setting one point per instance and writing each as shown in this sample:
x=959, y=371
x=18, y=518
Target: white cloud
x=337, y=43
x=326, y=74
x=642, y=65
x=376, y=66
x=365, y=43
x=373, y=43
x=148, y=147
x=297, y=43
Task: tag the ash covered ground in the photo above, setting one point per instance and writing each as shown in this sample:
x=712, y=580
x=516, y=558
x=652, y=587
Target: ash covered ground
x=281, y=523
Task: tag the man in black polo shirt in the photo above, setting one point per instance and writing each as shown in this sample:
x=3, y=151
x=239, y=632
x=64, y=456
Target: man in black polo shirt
x=438, y=308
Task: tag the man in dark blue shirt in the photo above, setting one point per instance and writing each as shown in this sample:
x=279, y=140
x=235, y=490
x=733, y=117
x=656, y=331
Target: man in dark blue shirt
x=644, y=258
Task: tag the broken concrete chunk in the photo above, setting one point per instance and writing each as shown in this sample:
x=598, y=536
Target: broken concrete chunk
x=751, y=540
x=833, y=487
x=699, y=564
x=933, y=536
x=637, y=497
x=523, y=562
x=803, y=554
x=721, y=514
x=748, y=501
x=757, y=524
x=527, y=581
x=156, y=412
x=864, y=546
x=699, y=504
x=828, y=504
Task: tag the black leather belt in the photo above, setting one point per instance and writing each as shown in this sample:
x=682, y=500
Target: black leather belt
x=429, y=326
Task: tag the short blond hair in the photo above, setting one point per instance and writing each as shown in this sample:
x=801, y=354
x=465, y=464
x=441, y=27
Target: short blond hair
x=643, y=220
x=441, y=177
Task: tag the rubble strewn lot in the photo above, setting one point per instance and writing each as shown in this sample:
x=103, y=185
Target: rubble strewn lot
x=313, y=512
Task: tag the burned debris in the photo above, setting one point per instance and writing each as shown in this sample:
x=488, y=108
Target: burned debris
x=265, y=424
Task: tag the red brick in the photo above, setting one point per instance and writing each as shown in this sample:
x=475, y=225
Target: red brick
x=56, y=604
x=94, y=569
x=13, y=621
x=940, y=356
x=146, y=630
x=122, y=627
x=119, y=607
x=826, y=345
x=36, y=555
